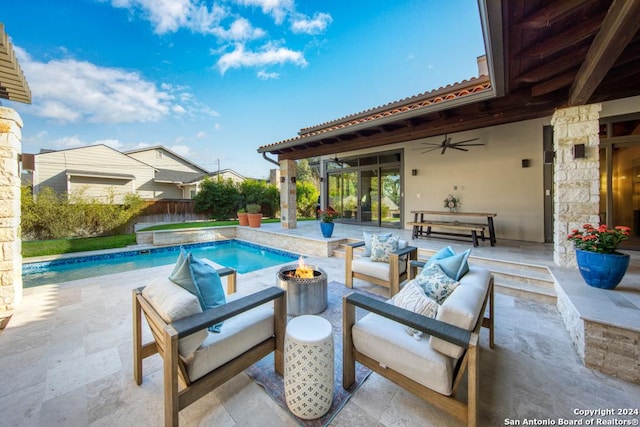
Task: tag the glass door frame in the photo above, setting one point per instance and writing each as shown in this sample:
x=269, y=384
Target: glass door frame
x=378, y=163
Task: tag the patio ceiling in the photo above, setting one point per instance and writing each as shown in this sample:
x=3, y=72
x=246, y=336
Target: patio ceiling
x=542, y=55
x=13, y=85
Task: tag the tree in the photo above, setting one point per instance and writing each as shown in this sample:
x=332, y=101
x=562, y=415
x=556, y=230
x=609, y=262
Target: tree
x=306, y=199
x=219, y=198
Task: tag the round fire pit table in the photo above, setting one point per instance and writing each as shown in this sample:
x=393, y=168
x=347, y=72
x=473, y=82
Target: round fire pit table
x=304, y=295
x=308, y=366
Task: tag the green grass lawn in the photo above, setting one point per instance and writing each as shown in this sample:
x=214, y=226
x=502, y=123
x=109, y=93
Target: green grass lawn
x=64, y=246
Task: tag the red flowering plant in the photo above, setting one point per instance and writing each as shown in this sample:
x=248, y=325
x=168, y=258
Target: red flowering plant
x=602, y=239
x=328, y=215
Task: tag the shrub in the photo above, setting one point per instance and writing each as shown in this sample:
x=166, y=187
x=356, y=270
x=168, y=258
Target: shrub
x=307, y=199
x=254, y=191
x=218, y=198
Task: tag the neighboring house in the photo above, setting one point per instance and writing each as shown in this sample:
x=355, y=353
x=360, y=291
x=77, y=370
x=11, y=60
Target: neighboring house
x=99, y=170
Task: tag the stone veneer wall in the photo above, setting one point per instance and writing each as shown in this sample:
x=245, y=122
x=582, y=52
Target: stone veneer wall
x=576, y=181
x=288, y=194
x=10, y=247
x=609, y=349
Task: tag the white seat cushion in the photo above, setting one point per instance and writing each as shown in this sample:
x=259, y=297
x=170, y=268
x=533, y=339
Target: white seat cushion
x=238, y=335
x=462, y=307
x=387, y=342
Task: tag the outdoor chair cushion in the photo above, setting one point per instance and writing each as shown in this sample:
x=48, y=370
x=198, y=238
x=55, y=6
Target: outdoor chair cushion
x=379, y=270
x=240, y=333
x=173, y=302
x=387, y=342
x=462, y=307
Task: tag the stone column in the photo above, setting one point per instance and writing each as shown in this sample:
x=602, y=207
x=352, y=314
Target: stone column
x=576, y=181
x=11, y=260
x=288, y=194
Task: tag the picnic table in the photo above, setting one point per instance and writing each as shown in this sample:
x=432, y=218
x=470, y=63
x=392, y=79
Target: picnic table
x=423, y=227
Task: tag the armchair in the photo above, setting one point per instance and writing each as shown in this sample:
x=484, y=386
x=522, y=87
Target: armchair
x=388, y=274
x=433, y=366
x=198, y=359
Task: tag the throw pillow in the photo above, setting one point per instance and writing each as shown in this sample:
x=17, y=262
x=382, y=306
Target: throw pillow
x=442, y=253
x=435, y=283
x=413, y=298
x=367, y=241
x=181, y=275
x=382, y=246
x=209, y=284
x=455, y=266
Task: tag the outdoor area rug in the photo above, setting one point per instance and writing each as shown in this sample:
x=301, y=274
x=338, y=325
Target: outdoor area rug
x=264, y=374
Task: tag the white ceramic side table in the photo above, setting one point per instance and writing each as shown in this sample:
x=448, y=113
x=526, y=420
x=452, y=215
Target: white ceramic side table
x=308, y=366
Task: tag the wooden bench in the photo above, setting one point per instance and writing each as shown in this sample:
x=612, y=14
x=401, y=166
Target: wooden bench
x=472, y=229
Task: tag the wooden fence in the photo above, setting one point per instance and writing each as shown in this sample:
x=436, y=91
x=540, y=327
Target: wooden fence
x=170, y=210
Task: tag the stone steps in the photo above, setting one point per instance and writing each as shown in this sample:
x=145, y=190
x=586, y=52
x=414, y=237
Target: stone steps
x=527, y=281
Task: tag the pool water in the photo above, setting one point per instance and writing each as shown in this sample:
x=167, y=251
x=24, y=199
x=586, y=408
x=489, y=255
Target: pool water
x=244, y=257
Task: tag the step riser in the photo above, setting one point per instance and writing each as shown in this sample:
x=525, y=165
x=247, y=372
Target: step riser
x=526, y=294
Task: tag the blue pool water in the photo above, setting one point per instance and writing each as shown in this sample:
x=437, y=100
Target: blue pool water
x=244, y=257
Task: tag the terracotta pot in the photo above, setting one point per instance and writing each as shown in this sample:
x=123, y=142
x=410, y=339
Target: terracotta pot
x=255, y=220
x=243, y=218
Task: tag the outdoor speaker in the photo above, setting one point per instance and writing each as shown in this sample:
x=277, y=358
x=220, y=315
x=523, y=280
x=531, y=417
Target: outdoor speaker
x=578, y=151
x=548, y=157
x=526, y=163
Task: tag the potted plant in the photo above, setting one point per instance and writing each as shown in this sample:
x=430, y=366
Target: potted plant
x=243, y=219
x=452, y=203
x=254, y=215
x=326, y=221
x=599, y=262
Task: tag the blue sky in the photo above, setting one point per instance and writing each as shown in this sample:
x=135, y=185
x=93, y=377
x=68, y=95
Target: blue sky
x=216, y=80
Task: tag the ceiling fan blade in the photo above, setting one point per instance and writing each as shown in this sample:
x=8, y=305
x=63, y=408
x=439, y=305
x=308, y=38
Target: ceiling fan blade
x=466, y=140
x=430, y=149
x=444, y=148
x=458, y=148
x=470, y=145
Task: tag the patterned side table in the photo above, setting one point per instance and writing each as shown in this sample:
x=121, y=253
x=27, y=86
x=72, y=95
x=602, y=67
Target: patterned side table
x=308, y=366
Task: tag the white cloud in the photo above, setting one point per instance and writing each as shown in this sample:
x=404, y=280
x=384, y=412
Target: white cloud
x=71, y=91
x=278, y=9
x=201, y=134
x=171, y=15
x=316, y=25
x=239, y=30
x=264, y=75
x=268, y=55
x=181, y=150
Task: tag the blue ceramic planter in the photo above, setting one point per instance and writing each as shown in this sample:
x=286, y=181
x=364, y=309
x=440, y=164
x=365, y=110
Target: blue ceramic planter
x=326, y=228
x=603, y=271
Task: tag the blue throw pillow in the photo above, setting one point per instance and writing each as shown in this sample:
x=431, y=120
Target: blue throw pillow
x=442, y=253
x=181, y=275
x=455, y=266
x=209, y=284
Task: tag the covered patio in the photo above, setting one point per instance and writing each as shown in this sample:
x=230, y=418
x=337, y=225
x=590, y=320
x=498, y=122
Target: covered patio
x=66, y=355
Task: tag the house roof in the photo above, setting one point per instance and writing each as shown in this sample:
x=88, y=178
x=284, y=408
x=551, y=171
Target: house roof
x=13, y=84
x=541, y=54
x=173, y=153
x=176, y=177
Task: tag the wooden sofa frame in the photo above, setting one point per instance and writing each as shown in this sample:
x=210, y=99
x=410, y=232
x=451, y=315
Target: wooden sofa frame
x=166, y=338
x=394, y=273
x=469, y=363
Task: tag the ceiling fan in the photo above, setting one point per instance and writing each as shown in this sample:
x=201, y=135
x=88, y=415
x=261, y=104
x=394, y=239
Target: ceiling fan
x=446, y=143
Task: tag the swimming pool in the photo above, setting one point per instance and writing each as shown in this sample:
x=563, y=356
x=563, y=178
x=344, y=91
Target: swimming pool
x=244, y=257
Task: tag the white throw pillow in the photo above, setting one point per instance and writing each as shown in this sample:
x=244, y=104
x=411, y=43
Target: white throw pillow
x=413, y=298
x=435, y=283
x=173, y=302
x=382, y=246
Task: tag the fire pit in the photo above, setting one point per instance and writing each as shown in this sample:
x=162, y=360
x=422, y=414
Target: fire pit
x=306, y=287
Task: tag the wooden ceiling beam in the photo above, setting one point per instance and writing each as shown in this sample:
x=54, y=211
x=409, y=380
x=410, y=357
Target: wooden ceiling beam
x=551, y=14
x=565, y=40
x=553, y=68
x=618, y=28
x=558, y=82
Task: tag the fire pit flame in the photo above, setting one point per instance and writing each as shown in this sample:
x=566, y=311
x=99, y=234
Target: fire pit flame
x=302, y=272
